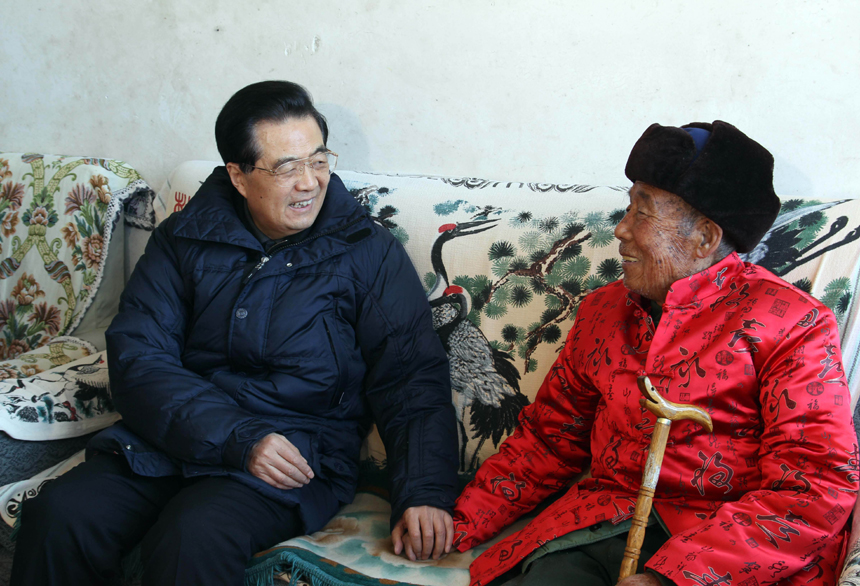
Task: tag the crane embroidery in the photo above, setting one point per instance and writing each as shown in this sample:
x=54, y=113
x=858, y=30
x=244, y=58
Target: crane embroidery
x=484, y=380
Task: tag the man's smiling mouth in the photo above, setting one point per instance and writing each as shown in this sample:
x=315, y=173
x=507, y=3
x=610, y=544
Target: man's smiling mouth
x=301, y=204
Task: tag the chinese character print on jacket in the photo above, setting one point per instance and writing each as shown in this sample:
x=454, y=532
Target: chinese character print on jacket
x=761, y=500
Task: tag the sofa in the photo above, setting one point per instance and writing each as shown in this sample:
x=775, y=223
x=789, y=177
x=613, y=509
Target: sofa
x=505, y=266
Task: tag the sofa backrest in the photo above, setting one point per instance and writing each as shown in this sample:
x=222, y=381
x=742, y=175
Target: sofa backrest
x=520, y=257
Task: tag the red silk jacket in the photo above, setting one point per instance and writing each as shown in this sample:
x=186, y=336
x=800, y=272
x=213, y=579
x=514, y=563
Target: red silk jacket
x=763, y=499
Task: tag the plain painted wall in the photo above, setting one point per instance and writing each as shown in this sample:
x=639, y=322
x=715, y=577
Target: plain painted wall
x=553, y=91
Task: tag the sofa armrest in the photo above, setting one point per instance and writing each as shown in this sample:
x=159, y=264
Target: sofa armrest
x=850, y=575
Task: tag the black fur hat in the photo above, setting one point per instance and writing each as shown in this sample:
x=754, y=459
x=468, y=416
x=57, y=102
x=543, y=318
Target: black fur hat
x=715, y=168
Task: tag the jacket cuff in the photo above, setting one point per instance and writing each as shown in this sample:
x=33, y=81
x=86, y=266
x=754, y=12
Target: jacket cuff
x=238, y=445
x=438, y=499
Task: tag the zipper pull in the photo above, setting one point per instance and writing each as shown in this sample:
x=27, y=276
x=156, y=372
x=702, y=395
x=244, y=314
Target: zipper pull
x=263, y=260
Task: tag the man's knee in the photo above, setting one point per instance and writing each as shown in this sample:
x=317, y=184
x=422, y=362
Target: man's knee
x=220, y=515
x=194, y=526
x=57, y=537
x=52, y=514
x=193, y=544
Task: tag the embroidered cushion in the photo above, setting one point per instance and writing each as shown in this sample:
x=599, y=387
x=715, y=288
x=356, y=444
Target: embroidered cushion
x=56, y=402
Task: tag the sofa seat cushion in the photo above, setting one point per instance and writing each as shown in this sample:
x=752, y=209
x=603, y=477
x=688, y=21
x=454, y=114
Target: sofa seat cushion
x=354, y=548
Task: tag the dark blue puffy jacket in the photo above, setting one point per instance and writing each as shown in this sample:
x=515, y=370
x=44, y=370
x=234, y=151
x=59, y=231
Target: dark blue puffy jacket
x=212, y=350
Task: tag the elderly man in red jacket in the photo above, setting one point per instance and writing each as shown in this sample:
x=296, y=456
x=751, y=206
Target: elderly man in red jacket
x=763, y=498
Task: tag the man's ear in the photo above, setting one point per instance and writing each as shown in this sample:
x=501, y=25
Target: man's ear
x=238, y=178
x=710, y=235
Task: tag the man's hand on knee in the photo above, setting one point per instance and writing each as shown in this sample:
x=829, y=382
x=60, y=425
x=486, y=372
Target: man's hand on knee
x=276, y=461
x=423, y=532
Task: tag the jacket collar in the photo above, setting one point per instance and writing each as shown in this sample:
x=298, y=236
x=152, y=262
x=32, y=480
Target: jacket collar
x=693, y=290
x=213, y=214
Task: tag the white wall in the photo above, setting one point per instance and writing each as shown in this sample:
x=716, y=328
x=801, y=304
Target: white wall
x=549, y=90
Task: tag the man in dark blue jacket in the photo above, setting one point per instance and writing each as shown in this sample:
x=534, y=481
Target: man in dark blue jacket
x=264, y=329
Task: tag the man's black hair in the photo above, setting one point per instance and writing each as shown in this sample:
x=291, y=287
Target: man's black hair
x=265, y=101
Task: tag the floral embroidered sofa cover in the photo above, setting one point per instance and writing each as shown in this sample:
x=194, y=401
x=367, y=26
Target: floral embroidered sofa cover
x=506, y=264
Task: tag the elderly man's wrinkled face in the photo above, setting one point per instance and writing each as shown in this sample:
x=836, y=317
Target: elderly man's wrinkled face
x=282, y=205
x=657, y=246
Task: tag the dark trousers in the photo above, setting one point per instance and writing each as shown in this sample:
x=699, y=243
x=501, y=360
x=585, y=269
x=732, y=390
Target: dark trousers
x=595, y=564
x=200, y=531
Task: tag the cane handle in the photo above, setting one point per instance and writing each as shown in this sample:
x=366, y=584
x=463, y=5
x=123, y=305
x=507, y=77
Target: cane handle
x=660, y=407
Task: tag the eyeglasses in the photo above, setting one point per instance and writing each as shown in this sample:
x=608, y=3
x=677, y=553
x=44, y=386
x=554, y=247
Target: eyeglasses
x=320, y=164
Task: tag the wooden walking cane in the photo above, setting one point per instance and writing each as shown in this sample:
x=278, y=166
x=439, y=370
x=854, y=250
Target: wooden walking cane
x=666, y=413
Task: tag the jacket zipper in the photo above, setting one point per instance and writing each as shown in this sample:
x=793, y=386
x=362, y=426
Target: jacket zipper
x=278, y=247
x=263, y=260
